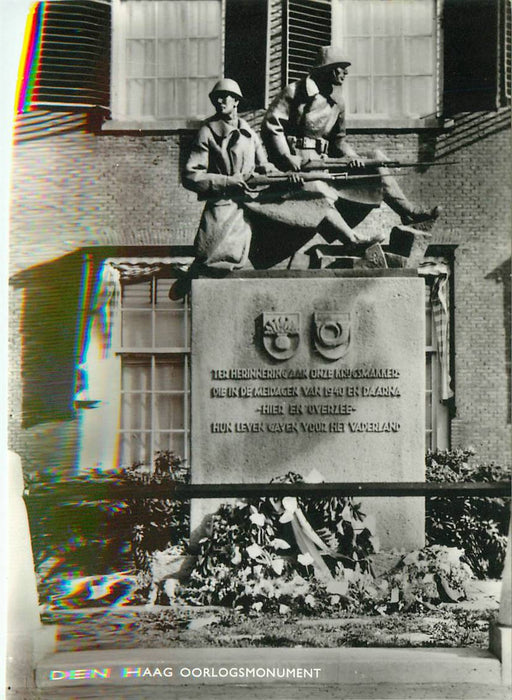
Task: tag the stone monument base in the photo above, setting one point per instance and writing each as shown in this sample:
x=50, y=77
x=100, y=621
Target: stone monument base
x=305, y=371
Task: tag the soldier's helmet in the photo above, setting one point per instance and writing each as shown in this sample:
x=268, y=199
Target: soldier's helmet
x=226, y=85
x=330, y=56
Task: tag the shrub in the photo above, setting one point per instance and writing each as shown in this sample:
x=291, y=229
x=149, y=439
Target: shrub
x=478, y=525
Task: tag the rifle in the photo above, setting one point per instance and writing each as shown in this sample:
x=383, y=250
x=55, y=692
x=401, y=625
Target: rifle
x=310, y=175
x=341, y=164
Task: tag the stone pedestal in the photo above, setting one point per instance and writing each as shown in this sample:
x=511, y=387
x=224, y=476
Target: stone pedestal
x=321, y=370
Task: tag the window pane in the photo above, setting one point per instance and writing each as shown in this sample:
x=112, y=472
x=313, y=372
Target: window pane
x=387, y=57
x=163, y=286
x=173, y=59
x=169, y=375
x=136, y=329
x=419, y=96
x=170, y=329
x=140, y=17
x=360, y=96
x=175, y=442
x=137, y=295
x=387, y=18
x=428, y=411
x=135, y=447
x=387, y=98
x=418, y=16
x=355, y=17
x=140, y=97
x=136, y=375
x=169, y=412
x=359, y=52
x=140, y=58
x=419, y=56
x=136, y=411
x=428, y=373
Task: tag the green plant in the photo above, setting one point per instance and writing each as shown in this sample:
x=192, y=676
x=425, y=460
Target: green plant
x=478, y=525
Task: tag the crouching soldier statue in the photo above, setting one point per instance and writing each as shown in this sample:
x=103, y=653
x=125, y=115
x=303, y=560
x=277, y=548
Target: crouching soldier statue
x=225, y=153
x=306, y=123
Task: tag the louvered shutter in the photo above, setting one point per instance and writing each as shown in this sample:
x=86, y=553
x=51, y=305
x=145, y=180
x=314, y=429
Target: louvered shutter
x=67, y=61
x=505, y=52
x=245, y=52
x=308, y=24
x=474, y=34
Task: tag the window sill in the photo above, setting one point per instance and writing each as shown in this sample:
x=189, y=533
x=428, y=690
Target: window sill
x=151, y=124
x=354, y=124
x=359, y=123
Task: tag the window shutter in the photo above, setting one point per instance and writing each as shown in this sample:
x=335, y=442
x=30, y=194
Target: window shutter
x=245, y=53
x=67, y=56
x=505, y=51
x=308, y=28
x=472, y=43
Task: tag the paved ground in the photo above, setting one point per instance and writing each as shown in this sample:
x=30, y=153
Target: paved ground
x=387, y=691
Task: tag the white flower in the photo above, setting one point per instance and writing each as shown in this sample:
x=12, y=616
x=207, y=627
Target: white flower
x=335, y=599
x=305, y=559
x=254, y=551
x=237, y=557
x=257, y=519
x=283, y=609
x=257, y=606
x=279, y=544
x=278, y=565
x=309, y=600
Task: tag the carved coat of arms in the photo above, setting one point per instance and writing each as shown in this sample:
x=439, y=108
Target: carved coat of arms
x=331, y=334
x=281, y=334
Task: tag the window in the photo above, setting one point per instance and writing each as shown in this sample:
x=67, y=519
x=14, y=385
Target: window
x=392, y=46
x=154, y=349
x=167, y=55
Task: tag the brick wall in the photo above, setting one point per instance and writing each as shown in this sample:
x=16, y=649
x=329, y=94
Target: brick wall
x=72, y=188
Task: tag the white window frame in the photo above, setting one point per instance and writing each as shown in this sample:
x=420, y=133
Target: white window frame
x=152, y=353
x=118, y=82
x=359, y=121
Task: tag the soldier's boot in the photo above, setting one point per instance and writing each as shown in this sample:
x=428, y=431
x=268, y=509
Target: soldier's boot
x=334, y=227
x=408, y=212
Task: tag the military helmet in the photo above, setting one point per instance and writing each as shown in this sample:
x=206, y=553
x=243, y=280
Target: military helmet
x=330, y=56
x=226, y=85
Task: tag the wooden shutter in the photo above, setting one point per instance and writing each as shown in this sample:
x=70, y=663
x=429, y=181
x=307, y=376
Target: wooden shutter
x=308, y=24
x=245, y=53
x=473, y=45
x=505, y=51
x=67, y=61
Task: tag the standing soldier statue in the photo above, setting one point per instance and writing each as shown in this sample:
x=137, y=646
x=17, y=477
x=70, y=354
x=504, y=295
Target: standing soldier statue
x=225, y=153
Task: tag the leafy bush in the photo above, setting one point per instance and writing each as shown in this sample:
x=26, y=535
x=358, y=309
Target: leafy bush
x=75, y=542
x=477, y=525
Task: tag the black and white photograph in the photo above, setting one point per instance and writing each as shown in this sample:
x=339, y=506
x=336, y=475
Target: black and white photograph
x=258, y=309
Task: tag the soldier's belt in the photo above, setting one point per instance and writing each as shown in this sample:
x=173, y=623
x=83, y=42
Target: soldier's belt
x=308, y=143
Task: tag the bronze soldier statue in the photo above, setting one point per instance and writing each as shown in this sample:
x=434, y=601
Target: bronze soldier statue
x=306, y=122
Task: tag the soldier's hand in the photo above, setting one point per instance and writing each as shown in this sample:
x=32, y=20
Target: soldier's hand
x=236, y=184
x=356, y=163
x=295, y=179
x=293, y=163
